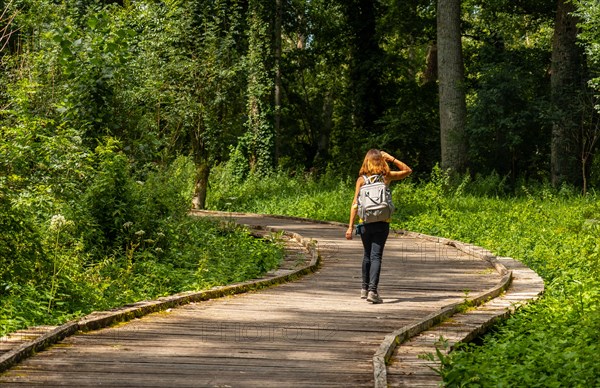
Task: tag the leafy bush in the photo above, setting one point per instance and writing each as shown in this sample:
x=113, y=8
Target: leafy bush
x=94, y=198
x=201, y=253
x=109, y=197
x=18, y=244
x=128, y=236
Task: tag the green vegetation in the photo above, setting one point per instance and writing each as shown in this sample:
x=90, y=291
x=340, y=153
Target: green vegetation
x=107, y=120
x=553, y=342
x=128, y=240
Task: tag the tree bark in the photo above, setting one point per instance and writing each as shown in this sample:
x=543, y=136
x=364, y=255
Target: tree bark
x=200, y=157
x=201, y=186
x=430, y=74
x=277, y=91
x=453, y=111
x=565, y=83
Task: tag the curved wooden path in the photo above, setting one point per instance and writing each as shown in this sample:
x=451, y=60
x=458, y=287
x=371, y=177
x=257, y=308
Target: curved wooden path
x=314, y=331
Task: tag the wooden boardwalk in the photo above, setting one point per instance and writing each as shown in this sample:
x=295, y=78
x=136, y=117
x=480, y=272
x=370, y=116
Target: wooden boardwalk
x=405, y=368
x=315, y=331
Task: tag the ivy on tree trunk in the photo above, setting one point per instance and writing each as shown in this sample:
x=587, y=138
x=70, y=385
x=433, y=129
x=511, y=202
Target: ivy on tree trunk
x=259, y=136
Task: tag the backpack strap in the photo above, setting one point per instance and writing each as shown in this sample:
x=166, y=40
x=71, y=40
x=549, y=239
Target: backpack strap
x=373, y=178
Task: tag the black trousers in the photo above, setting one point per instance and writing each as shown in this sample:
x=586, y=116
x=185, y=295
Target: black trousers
x=373, y=236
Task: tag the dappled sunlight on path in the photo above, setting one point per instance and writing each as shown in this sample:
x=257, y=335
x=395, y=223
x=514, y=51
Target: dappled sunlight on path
x=314, y=331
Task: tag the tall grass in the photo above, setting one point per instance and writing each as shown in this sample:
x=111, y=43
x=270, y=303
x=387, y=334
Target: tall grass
x=553, y=342
x=305, y=196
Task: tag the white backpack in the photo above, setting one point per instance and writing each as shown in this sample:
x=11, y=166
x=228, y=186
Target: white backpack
x=374, y=200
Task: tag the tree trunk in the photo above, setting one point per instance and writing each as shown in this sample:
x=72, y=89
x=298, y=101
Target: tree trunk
x=365, y=65
x=326, y=124
x=453, y=111
x=260, y=135
x=430, y=74
x=201, y=186
x=277, y=92
x=565, y=83
x=200, y=156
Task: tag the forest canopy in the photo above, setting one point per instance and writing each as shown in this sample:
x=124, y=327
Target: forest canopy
x=306, y=85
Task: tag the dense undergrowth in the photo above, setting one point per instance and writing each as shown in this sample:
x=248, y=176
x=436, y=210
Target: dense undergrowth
x=553, y=342
x=85, y=232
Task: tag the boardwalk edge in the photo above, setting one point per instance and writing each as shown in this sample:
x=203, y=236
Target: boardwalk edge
x=99, y=320
x=387, y=347
x=383, y=355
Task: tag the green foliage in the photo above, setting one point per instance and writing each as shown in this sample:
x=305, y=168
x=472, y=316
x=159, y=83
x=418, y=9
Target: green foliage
x=314, y=48
x=99, y=101
x=589, y=13
x=109, y=196
x=98, y=105
x=410, y=122
x=91, y=63
x=233, y=255
x=18, y=243
x=277, y=193
x=70, y=66
x=200, y=253
x=508, y=95
x=82, y=231
x=553, y=342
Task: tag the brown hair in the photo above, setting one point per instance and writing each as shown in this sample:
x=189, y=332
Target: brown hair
x=374, y=164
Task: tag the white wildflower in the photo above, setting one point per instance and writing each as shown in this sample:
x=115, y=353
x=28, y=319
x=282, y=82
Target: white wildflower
x=57, y=221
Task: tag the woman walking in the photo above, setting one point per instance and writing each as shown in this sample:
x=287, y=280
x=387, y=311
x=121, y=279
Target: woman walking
x=374, y=234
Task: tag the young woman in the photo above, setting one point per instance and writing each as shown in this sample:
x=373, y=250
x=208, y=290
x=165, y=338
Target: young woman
x=374, y=235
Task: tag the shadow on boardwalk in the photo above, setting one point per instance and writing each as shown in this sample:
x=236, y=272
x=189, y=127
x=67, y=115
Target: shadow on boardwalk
x=315, y=331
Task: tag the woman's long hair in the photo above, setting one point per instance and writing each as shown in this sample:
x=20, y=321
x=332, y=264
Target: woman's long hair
x=374, y=164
